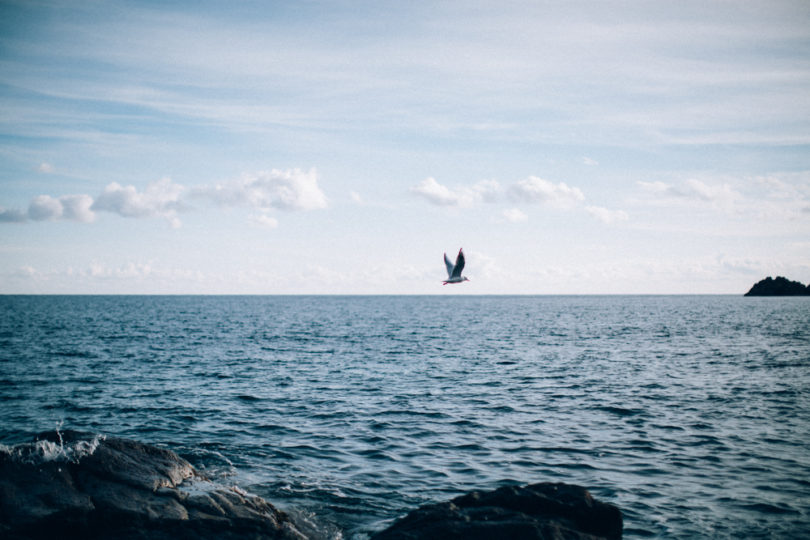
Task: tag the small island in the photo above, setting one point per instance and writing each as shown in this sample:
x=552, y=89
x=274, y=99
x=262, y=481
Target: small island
x=780, y=286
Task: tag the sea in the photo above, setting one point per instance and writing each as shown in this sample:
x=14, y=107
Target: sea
x=691, y=413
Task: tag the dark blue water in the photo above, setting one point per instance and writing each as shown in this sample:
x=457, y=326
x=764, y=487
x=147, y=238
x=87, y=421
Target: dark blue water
x=690, y=413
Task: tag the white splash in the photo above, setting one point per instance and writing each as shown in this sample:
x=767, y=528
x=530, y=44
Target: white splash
x=48, y=451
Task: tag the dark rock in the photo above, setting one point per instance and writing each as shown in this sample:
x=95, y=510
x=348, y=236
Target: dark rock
x=71, y=485
x=778, y=287
x=538, y=511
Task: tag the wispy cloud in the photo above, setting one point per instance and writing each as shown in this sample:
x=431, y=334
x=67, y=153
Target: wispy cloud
x=264, y=220
x=129, y=270
x=607, y=216
x=773, y=204
x=692, y=190
x=514, y=215
x=691, y=193
x=740, y=73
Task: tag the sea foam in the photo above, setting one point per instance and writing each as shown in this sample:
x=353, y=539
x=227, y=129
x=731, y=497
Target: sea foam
x=45, y=451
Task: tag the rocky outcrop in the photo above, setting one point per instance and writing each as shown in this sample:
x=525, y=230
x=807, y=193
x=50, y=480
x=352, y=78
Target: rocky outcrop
x=71, y=485
x=538, y=511
x=780, y=286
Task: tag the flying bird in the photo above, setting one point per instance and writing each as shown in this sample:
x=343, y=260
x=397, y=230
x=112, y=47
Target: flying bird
x=454, y=270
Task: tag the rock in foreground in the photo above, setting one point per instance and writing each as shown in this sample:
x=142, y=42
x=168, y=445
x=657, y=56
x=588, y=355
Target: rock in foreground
x=70, y=485
x=538, y=511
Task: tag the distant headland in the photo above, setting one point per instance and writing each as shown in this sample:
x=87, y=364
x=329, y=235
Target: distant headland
x=778, y=287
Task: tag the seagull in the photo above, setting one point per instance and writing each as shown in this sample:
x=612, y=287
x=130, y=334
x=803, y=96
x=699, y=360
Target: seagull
x=454, y=270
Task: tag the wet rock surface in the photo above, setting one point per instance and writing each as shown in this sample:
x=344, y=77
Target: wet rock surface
x=73, y=485
x=70, y=485
x=537, y=511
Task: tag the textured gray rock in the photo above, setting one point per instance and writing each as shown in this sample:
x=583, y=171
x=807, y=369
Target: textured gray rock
x=71, y=485
x=538, y=511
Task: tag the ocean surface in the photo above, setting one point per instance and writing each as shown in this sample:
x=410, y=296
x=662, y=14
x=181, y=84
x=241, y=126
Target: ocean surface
x=691, y=413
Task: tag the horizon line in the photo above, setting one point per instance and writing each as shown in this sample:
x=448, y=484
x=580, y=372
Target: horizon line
x=372, y=294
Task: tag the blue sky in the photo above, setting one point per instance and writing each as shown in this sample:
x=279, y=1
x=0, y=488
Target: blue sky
x=343, y=147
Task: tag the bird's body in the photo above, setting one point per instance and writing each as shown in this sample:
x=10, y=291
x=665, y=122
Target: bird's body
x=454, y=270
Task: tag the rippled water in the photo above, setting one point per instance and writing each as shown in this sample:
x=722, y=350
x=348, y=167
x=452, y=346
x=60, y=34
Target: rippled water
x=690, y=413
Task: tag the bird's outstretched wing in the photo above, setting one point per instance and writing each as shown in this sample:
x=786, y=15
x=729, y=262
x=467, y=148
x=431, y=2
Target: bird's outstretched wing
x=449, y=266
x=459, y=264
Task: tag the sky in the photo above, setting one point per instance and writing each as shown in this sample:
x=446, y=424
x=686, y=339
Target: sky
x=572, y=147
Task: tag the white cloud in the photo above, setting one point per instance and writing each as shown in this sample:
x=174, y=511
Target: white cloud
x=45, y=168
x=462, y=196
x=356, y=197
x=514, y=215
x=12, y=216
x=290, y=189
x=266, y=221
x=47, y=208
x=438, y=194
x=44, y=207
x=528, y=190
x=77, y=208
x=607, y=216
x=160, y=198
x=534, y=189
x=487, y=190
x=286, y=190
